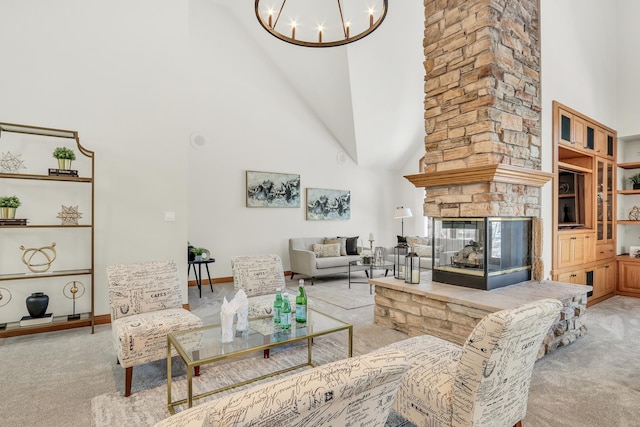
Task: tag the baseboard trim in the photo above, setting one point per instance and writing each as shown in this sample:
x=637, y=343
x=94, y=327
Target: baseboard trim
x=216, y=280
x=102, y=319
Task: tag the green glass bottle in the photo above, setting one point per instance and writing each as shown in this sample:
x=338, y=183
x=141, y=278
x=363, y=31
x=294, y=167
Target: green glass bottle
x=301, y=303
x=285, y=313
x=277, y=306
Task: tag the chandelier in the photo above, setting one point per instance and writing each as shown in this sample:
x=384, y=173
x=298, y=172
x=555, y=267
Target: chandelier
x=320, y=23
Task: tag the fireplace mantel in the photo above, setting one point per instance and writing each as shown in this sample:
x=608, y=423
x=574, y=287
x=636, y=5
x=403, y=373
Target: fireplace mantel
x=492, y=173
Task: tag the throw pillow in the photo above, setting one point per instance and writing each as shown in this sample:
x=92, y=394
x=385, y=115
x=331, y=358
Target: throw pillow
x=340, y=240
x=423, y=250
x=412, y=241
x=352, y=245
x=322, y=251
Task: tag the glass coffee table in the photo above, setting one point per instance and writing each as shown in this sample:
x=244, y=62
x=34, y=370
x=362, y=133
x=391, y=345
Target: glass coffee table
x=369, y=269
x=203, y=346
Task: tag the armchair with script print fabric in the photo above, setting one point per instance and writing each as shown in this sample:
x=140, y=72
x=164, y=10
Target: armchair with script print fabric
x=357, y=391
x=483, y=383
x=146, y=304
x=259, y=276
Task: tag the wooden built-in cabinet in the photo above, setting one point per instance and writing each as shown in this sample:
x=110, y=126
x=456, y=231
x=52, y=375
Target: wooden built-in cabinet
x=584, y=226
x=628, y=217
x=572, y=129
x=575, y=248
x=628, y=276
x=604, y=279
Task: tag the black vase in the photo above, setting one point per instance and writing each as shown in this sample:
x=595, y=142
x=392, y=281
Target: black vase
x=37, y=304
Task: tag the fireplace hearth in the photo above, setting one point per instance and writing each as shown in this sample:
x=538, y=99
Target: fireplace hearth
x=482, y=252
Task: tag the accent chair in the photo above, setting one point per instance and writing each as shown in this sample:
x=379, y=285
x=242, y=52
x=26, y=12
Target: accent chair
x=259, y=276
x=483, y=383
x=356, y=391
x=146, y=304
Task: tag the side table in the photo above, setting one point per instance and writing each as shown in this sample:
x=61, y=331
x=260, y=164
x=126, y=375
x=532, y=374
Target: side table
x=368, y=270
x=198, y=272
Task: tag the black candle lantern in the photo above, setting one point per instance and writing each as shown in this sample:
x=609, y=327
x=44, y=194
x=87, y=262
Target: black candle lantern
x=399, y=254
x=412, y=268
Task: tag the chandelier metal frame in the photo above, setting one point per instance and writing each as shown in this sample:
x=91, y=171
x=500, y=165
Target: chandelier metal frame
x=272, y=21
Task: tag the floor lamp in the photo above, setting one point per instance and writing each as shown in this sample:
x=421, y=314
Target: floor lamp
x=402, y=213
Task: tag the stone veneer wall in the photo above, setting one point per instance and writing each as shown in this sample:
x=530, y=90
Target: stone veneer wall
x=482, y=104
x=420, y=315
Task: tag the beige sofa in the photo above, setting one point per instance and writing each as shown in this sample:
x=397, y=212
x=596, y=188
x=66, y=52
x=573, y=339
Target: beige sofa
x=354, y=391
x=421, y=245
x=306, y=262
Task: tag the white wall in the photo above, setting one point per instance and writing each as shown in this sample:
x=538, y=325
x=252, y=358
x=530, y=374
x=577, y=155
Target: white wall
x=628, y=91
x=628, y=65
x=253, y=119
x=578, y=70
x=114, y=71
x=136, y=79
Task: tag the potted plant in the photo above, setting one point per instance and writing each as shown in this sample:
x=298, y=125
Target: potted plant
x=635, y=180
x=8, y=206
x=65, y=156
x=198, y=253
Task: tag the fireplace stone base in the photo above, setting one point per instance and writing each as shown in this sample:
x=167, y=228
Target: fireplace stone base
x=451, y=312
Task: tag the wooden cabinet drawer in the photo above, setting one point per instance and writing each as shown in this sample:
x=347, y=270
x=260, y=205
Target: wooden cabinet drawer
x=605, y=251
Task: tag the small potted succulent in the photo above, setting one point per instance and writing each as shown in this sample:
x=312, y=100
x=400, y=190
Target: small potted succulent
x=8, y=206
x=198, y=253
x=635, y=180
x=65, y=156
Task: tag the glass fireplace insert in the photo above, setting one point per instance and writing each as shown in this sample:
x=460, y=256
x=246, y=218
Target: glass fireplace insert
x=482, y=253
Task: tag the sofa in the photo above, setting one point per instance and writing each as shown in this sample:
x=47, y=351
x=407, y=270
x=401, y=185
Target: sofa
x=444, y=248
x=321, y=256
x=354, y=391
x=421, y=245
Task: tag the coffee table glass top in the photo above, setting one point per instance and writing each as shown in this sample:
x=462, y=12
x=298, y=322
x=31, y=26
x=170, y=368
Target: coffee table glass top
x=262, y=334
x=387, y=265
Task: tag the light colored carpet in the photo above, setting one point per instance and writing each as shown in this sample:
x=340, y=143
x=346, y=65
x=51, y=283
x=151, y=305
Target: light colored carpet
x=148, y=406
x=596, y=380
x=335, y=290
x=50, y=379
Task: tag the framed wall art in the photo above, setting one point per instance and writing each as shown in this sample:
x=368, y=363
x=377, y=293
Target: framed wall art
x=324, y=204
x=273, y=190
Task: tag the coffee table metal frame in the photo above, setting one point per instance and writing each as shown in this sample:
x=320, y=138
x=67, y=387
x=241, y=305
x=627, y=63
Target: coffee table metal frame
x=369, y=269
x=255, y=327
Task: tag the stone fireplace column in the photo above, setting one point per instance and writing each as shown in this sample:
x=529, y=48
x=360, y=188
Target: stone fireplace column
x=482, y=110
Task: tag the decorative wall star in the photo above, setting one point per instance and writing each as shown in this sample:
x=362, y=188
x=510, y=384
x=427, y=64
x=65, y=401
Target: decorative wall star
x=10, y=163
x=69, y=215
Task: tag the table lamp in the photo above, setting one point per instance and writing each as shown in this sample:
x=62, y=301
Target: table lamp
x=402, y=213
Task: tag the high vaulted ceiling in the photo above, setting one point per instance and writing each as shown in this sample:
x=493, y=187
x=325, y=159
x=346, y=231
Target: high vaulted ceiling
x=368, y=94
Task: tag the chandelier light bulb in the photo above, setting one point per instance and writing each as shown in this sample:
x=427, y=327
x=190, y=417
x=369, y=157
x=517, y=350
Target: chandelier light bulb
x=270, y=13
x=372, y=12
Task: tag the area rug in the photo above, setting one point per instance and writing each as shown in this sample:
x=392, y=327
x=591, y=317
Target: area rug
x=148, y=406
x=336, y=291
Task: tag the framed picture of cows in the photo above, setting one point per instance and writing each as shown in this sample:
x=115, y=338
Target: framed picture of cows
x=324, y=204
